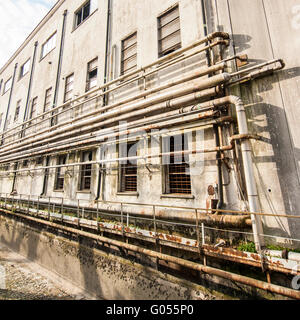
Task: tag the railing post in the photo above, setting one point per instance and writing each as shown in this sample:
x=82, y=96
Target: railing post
x=78, y=218
x=49, y=208
x=62, y=209
x=97, y=215
x=38, y=206
x=28, y=204
x=203, y=242
x=122, y=219
x=198, y=231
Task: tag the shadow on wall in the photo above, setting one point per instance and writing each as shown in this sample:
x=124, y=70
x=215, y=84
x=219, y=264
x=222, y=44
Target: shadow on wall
x=285, y=154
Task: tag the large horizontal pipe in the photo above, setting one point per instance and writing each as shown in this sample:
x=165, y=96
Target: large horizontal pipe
x=124, y=78
x=287, y=292
x=86, y=124
x=195, y=74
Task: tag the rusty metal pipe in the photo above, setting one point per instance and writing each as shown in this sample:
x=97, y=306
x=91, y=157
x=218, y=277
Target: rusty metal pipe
x=197, y=86
x=294, y=294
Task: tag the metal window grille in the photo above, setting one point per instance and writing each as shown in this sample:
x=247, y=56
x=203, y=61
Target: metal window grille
x=178, y=180
x=47, y=102
x=69, y=85
x=169, y=34
x=128, y=169
x=92, y=73
x=129, y=54
x=86, y=171
x=60, y=173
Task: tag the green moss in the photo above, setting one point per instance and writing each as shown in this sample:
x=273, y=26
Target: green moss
x=247, y=246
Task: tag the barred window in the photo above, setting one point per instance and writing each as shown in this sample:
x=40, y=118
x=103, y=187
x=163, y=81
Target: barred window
x=69, y=85
x=128, y=168
x=86, y=171
x=169, y=35
x=129, y=54
x=176, y=170
x=92, y=72
x=60, y=173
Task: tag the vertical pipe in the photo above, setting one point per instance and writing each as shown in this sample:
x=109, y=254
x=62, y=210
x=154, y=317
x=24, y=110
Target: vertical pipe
x=10, y=96
x=30, y=83
x=60, y=59
x=15, y=178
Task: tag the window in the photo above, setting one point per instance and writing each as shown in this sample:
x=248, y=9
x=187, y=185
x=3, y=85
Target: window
x=39, y=160
x=48, y=45
x=7, y=85
x=47, y=102
x=129, y=54
x=33, y=108
x=176, y=170
x=24, y=69
x=169, y=35
x=60, y=173
x=128, y=168
x=25, y=163
x=17, y=112
x=86, y=171
x=84, y=12
x=69, y=85
x=92, y=72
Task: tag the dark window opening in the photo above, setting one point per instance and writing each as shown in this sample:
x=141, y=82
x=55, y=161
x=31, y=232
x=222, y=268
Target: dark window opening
x=82, y=13
x=128, y=168
x=177, y=171
x=60, y=173
x=92, y=72
x=86, y=171
x=25, y=163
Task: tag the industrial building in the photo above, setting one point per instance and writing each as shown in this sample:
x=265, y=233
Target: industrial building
x=182, y=111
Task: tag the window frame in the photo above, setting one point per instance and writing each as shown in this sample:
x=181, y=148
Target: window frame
x=123, y=71
x=83, y=169
x=170, y=176
x=47, y=96
x=59, y=184
x=43, y=55
x=88, y=78
x=18, y=107
x=5, y=83
x=66, y=84
x=32, y=111
x=22, y=74
x=162, y=53
x=125, y=178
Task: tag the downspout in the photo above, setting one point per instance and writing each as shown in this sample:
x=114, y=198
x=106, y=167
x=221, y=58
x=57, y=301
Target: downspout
x=247, y=162
x=45, y=182
x=10, y=95
x=216, y=131
x=30, y=83
x=106, y=76
x=61, y=49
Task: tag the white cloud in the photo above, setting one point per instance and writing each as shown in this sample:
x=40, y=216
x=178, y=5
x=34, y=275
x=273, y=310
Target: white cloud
x=17, y=19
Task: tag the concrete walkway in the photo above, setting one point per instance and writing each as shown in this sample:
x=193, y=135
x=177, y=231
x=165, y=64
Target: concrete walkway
x=21, y=279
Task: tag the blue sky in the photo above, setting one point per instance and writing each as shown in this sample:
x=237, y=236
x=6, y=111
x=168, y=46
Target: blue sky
x=17, y=19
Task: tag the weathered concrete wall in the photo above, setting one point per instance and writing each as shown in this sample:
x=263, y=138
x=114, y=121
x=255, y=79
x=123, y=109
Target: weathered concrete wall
x=99, y=273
